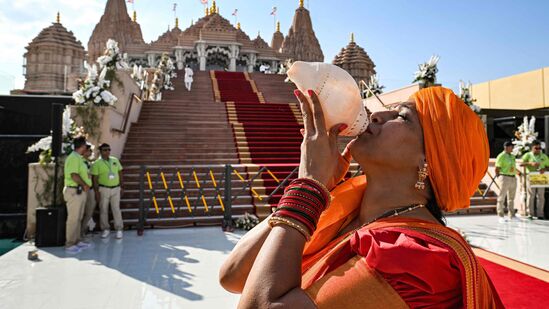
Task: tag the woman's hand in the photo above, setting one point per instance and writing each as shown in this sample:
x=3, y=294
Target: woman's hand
x=320, y=157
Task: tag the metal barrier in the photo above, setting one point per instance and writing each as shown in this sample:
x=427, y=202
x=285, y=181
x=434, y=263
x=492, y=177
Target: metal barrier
x=203, y=190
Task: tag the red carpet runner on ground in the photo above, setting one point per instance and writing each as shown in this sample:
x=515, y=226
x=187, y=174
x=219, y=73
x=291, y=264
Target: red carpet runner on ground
x=265, y=133
x=519, y=285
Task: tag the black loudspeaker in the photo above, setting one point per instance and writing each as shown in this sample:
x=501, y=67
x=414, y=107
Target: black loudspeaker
x=56, y=129
x=50, y=227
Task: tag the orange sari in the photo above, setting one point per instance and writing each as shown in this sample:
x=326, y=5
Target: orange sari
x=391, y=263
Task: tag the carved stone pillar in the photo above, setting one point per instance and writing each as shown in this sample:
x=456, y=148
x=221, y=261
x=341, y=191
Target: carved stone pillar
x=201, y=52
x=252, y=58
x=151, y=59
x=234, y=54
x=179, y=58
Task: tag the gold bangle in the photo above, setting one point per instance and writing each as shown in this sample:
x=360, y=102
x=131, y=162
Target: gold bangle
x=274, y=221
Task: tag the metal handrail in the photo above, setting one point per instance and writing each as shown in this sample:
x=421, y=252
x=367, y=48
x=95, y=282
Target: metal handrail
x=127, y=112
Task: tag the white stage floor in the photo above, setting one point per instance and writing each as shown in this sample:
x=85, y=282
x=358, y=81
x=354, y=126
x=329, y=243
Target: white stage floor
x=178, y=268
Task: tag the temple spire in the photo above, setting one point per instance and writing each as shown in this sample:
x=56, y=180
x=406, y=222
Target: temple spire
x=58, y=19
x=352, y=37
x=301, y=3
x=238, y=25
x=278, y=26
x=134, y=16
x=206, y=13
x=177, y=22
x=213, y=9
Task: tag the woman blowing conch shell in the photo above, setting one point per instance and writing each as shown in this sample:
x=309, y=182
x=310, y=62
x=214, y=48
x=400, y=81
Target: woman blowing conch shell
x=381, y=243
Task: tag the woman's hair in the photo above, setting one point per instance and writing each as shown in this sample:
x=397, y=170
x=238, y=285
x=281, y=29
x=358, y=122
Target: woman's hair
x=433, y=208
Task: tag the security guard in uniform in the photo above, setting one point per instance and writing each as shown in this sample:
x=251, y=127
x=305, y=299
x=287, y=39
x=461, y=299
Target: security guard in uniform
x=535, y=161
x=107, y=179
x=77, y=184
x=506, y=172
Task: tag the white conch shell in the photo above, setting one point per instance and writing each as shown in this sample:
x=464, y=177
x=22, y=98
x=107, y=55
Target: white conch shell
x=337, y=91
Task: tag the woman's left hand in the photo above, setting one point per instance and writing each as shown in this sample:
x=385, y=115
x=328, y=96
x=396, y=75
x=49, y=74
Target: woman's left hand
x=320, y=157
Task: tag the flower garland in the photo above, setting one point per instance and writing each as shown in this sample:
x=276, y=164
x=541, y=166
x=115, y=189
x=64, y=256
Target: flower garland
x=95, y=89
x=69, y=132
x=465, y=92
x=167, y=68
x=524, y=136
x=427, y=73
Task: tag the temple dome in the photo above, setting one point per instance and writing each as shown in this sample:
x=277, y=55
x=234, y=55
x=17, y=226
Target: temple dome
x=356, y=61
x=51, y=56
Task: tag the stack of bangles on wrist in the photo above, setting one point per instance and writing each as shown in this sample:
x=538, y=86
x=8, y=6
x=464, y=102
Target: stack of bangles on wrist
x=301, y=205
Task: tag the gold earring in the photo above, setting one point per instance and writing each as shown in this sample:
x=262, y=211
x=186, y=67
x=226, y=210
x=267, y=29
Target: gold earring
x=421, y=176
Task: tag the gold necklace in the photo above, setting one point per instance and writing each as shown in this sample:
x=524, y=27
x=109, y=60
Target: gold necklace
x=393, y=213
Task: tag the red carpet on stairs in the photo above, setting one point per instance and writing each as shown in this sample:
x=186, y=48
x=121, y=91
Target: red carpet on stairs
x=266, y=133
x=519, y=285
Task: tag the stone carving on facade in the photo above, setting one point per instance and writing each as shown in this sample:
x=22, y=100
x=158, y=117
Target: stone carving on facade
x=301, y=42
x=51, y=57
x=356, y=61
x=187, y=47
x=116, y=24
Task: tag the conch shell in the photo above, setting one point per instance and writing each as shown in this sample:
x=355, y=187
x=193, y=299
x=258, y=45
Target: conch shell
x=337, y=91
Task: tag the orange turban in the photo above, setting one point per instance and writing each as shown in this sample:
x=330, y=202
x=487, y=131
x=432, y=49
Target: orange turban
x=456, y=146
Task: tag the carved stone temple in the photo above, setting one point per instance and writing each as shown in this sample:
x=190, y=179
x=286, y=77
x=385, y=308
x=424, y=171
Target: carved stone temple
x=210, y=43
x=50, y=58
x=356, y=61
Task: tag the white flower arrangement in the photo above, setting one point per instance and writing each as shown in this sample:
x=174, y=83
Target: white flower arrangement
x=374, y=86
x=247, y=222
x=140, y=76
x=69, y=132
x=524, y=136
x=427, y=73
x=167, y=67
x=465, y=93
x=95, y=89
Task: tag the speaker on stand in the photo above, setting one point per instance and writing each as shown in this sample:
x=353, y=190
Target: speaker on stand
x=50, y=222
x=56, y=142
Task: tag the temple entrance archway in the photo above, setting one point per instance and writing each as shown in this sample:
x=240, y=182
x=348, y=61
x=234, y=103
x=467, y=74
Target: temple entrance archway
x=217, y=58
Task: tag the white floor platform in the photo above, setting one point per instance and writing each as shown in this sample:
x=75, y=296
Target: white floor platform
x=178, y=268
x=523, y=240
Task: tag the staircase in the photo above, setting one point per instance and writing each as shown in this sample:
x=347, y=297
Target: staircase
x=227, y=118
x=185, y=128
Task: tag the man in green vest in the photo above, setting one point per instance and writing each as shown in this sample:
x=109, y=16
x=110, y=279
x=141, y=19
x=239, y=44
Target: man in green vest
x=90, y=199
x=77, y=184
x=107, y=179
x=535, y=161
x=506, y=172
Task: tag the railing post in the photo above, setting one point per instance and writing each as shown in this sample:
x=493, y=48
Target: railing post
x=227, y=224
x=142, y=214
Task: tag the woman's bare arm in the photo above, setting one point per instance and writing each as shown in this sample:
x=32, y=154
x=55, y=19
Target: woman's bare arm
x=237, y=266
x=275, y=278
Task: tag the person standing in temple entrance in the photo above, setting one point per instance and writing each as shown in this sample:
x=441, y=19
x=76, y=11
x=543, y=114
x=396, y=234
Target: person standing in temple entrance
x=107, y=179
x=506, y=172
x=535, y=161
x=188, y=77
x=77, y=184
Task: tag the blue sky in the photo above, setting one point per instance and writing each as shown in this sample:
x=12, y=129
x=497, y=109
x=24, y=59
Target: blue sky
x=476, y=40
